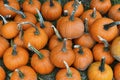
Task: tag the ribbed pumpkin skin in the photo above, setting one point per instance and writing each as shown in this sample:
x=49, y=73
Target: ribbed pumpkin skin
x=18, y=41
x=95, y=74
x=2, y=74
x=117, y=71
x=61, y=74
x=29, y=74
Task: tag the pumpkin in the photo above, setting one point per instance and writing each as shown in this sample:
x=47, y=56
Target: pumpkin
x=114, y=12
x=34, y=35
x=102, y=50
x=85, y=40
x=40, y=61
x=115, y=48
x=69, y=73
x=4, y=44
x=61, y=53
x=83, y=57
x=15, y=57
x=2, y=73
x=51, y=10
x=24, y=73
x=31, y=5
x=4, y=11
x=100, y=71
x=69, y=6
x=117, y=71
x=91, y=15
x=106, y=5
x=104, y=27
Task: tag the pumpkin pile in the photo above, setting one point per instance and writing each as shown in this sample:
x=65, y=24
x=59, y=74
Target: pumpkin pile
x=39, y=36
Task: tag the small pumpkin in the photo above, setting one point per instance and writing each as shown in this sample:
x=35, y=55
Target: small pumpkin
x=100, y=71
x=117, y=71
x=24, y=73
x=2, y=73
x=69, y=73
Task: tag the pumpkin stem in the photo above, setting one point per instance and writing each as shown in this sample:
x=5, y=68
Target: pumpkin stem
x=30, y=2
x=73, y=12
x=86, y=26
x=21, y=75
x=65, y=13
x=21, y=32
x=64, y=45
x=107, y=26
x=106, y=44
x=40, y=19
x=17, y=11
x=101, y=0
x=102, y=65
x=118, y=9
x=4, y=20
x=14, y=52
x=80, y=49
x=34, y=26
x=5, y=1
x=51, y=3
x=93, y=15
x=76, y=3
x=69, y=72
x=30, y=47
x=57, y=33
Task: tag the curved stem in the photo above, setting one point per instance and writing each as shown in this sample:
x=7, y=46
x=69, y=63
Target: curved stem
x=21, y=32
x=34, y=26
x=4, y=20
x=51, y=3
x=102, y=65
x=30, y=2
x=106, y=44
x=69, y=72
x=40, y=19
x=14, y=51
x=76, y=3
x=30, y=47
x=86, y=26
x=17, y=11
x=21, y=75
x=107, y=26
x=64, y=45
x=57, y=33
x=80, y=49
x=93, y=13
x=5, y=1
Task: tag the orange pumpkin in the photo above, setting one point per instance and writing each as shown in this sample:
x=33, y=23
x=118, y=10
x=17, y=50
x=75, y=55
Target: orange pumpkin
x=117, y=71
x=2, y=73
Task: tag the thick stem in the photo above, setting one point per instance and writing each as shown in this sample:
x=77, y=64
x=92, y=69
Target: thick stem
x=106, y=44
x=93, y=15
x=5, y=1
x=4, y=20
x=69, y=72
x=86, y=26
x=51, y=3
x=17, y=11
x=65, y=12
x=40, y=19
x=76, y=3
x=21, y=75
x=102, y=65
x=107, y=26
x=30, y=2
x=64, y=45
x=30, y=47
x=14, y=51
x=34, y=26
x=21, y=32
x=101, y=0
x=57, y=33
x=80, y=49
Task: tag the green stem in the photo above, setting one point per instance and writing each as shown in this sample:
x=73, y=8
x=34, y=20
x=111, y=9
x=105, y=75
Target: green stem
x=93, y=15
x=51, y=3
x=5, y=1
x=21, y=75
x=107, y=26
x=35, y=50
x=57, y=33
x=4, y=20
x=101, y=0
x=34, y=26
x=14, y=51
x=80, y=49
x=86, y=26
x=102, y=65
x=64, y=45
x=40, y=19
x=106, y=44
x=69, y=72
x=21, y=32
x=30, y=2
x=17, y=11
